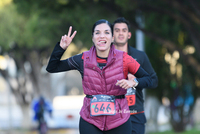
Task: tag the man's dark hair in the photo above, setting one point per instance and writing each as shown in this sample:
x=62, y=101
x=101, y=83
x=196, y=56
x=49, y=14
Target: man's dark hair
x=122, y=20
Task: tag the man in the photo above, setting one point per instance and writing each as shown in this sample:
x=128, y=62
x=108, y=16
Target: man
x=121, y=33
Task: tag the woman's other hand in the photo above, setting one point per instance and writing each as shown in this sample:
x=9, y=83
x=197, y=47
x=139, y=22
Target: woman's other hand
x=125, y=83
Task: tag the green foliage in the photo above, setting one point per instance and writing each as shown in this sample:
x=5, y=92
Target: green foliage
x=125, y=5
x=33, y=31
x=10, y=26
x=46, y=23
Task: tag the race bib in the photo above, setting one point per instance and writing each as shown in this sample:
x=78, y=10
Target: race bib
x=130, y=96
x=102, y=105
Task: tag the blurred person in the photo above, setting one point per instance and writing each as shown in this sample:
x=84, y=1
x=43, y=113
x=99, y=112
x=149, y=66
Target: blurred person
x=121, y=34
x=40, y=107
x=104, y=80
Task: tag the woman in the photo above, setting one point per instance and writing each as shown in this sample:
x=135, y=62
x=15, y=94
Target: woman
x=104, y=71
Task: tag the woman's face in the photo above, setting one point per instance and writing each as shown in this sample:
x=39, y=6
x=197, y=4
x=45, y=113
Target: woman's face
x=102, y=38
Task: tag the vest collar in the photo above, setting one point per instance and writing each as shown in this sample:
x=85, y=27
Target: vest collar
x=111, y=56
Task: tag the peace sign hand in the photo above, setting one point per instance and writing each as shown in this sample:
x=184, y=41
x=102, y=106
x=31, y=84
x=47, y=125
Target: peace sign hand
x=66, y=39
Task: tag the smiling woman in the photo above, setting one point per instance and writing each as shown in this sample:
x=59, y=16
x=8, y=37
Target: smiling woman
x=104, y=73
x=102, y=38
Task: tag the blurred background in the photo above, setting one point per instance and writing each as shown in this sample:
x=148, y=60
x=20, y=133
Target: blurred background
x=167, y=30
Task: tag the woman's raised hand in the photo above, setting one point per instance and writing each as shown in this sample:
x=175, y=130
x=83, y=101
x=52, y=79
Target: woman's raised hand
x=67, y=39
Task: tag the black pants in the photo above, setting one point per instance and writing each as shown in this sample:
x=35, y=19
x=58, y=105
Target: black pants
x=138, y=123
x=86, y=128
x=138, y=128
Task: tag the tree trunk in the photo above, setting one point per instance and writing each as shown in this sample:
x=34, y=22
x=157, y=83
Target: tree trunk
x=27, y=118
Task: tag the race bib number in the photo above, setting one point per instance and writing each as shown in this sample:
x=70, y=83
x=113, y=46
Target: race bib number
x=131, y=99
x=102, y=105
x=130, y=96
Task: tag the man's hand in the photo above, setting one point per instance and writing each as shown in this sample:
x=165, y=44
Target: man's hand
x=67, y=39
x=131, y=77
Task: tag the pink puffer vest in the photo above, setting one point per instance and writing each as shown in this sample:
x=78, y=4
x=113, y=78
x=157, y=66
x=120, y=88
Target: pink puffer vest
x=96, y=81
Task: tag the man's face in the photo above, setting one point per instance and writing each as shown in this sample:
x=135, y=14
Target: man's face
x=121, y=33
